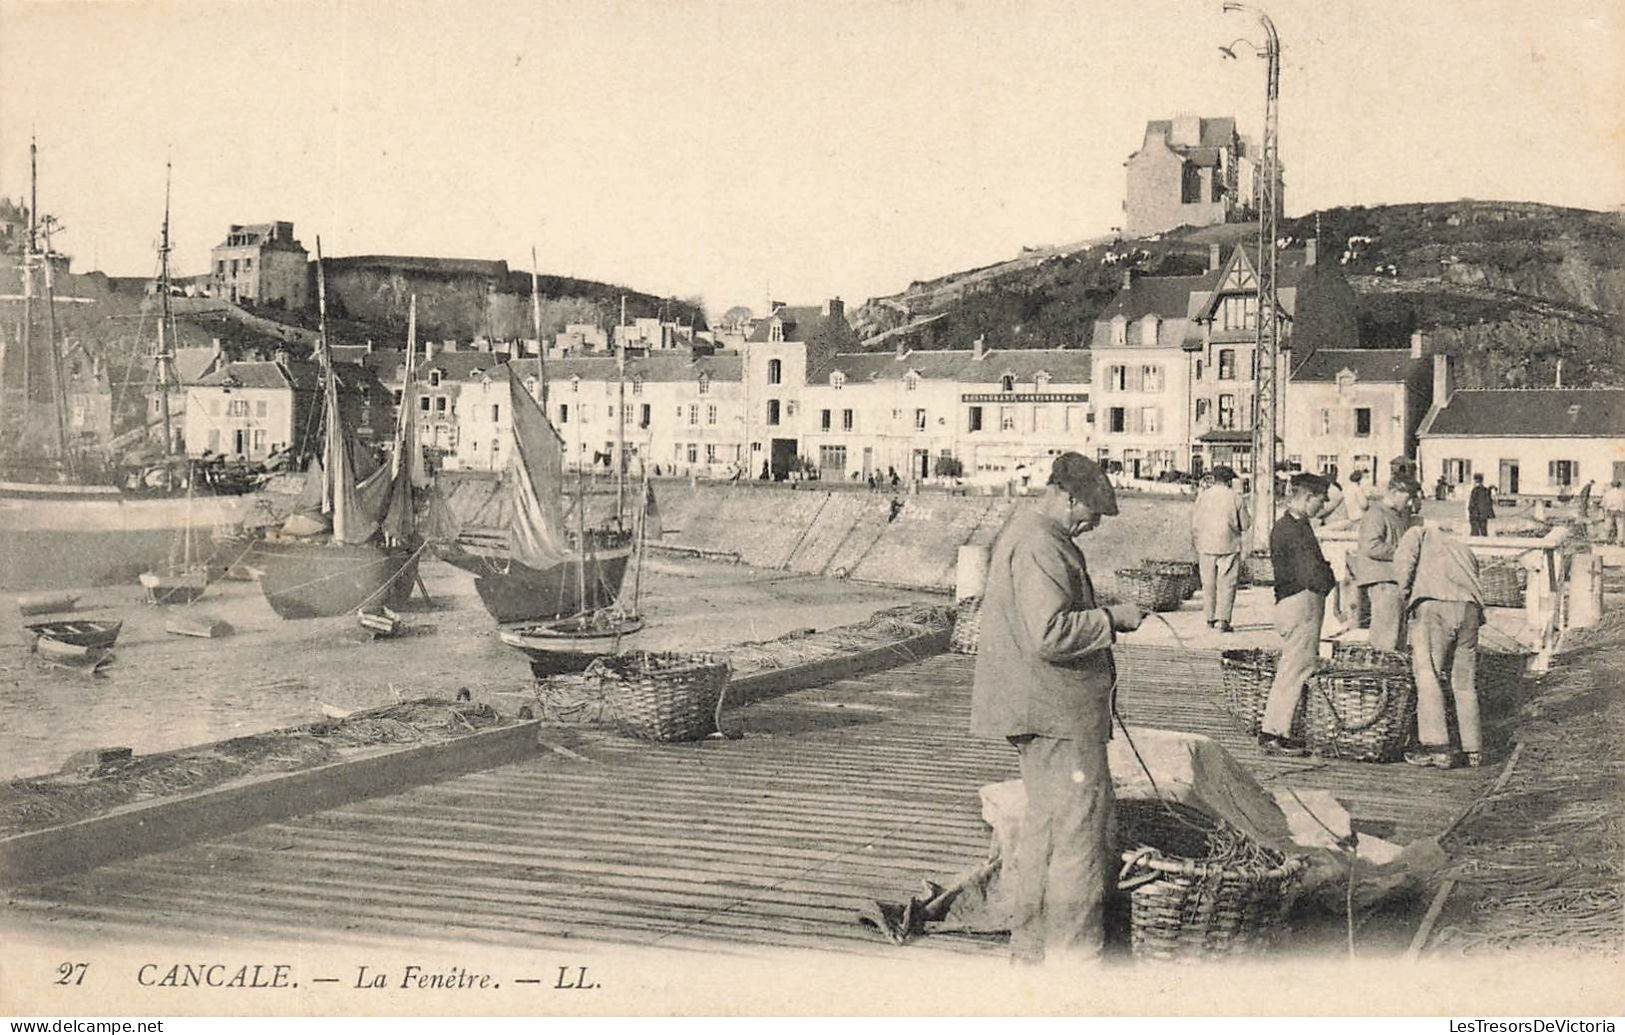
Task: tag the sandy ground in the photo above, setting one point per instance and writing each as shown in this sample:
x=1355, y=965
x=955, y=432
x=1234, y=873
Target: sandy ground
x=163, y=691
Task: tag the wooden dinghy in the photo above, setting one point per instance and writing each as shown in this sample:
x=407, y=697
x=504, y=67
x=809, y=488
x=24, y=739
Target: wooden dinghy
x=83, y=632
x=381, y=622
x=192, y=623
x=47, y=602
x=71, y=655
x=181, y=587
x=567, y=645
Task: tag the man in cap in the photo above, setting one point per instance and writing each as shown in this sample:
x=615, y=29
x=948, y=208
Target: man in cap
x=1302, y=581
x=1438, y=578
x=1044, y=682
x=1373, y=560
x=1218, y=522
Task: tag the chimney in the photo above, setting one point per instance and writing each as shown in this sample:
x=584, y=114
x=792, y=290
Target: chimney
x=1215, y=255
x=835, y=309
x=978, y=348
x=1442, y=378
x=1128, y=278
x=1418, y=341
x=1311, y=249
x=1185, y=131
x=428, y=351
x=1559, y=372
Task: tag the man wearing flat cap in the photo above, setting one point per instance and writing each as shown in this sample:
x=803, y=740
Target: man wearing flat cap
x=1044, y=682
x=1218, y=522
x=1302, y=581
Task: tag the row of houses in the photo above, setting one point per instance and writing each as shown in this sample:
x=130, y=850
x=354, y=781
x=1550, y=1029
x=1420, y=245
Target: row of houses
x=1167, y=384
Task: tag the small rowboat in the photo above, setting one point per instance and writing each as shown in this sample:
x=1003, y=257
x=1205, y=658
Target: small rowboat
x=566, y=645
x=84, y=632
x=72, y=655
x=181, y=587
x=381, y=623
x=45, y=603
x=192, y=623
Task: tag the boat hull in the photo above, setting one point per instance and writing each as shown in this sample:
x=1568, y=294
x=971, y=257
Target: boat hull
x=524, y=594
x=66, y=539
x=72, y=655
x=554, y=650
x=174, y=589
x=81, y=633
x=303, y=579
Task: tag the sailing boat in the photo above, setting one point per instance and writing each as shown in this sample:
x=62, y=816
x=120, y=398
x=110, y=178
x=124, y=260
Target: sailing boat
x=60, y=525
x=533, y=573
x=355, y=544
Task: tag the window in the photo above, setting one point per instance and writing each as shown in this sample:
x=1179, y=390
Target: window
x=1041, y=381
x=259, y=440
x=1007, y=418
x=790, y=408
x=434, y=379
x=1148, y=331
x=1198, y=369
x=1227, y=364
x=710, y=452
x=1151, y=379
x=910, y=382
x=564, y=413
x=846, y=420
x=837, y=380
x=1117, y=378
x=440, y=404
x=823, y=420
x=645, y=415
x=237, y=408
x=260, y=407
x=1117, y=420
x=693, y=452
x=609, y=413
x=711, y=413
x=496, y=413
x=1562, y=473
x=693, y=413
x=396, y=395
x=637, y=385
x=1227, y=412
x=575, y=383
x=832, y=458
x=1362, y=421
x=975, y=419
x=775, y=330
x=1325, y=463
x=1007, y=383
x=423, y=403
x=1323, y=422
x=775, y=371
x=1201, y=409
x=772, y=411
x=1366, y=462
x=919, y=420
x=1239, y=313
x=1151, y=419
x=1190, y=184
x=705, y=384
x=1119, y=331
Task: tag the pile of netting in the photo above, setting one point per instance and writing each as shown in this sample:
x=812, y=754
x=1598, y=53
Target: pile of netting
x=804, y=647
x=1540, y=863
x=34, y=803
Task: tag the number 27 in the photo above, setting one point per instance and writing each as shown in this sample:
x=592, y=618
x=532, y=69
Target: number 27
x=71, y=973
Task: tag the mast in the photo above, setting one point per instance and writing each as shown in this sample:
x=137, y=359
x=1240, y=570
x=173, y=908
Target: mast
x=59, y=394
x=620, y=425
x=581, y=544
x=536, y=327
x=333, y=443
x=27, y=335
x=164, y=356
x=643, y=524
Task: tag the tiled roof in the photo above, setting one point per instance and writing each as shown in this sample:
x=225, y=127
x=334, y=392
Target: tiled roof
x=799, y=321
x=1189, y=297
x=1531, y=412
x=298, y=374
x=1214, y=132
x=192, y=363
x=656, y=367
x=1069, y=366
x=1368, y=365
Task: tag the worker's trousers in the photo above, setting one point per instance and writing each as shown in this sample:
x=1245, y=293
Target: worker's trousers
x=1444, y=647
x=1220, y=574
x=1063, y=857
x=1297, y=619
x=1387, y=615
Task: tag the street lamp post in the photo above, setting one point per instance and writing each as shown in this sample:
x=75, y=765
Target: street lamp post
x=1266, y=363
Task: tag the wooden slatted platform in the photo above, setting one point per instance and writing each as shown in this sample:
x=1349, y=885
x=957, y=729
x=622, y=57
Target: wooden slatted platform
x=837, y=795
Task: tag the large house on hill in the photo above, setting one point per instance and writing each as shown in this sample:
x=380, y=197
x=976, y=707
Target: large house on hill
x=260, y=263
x=1189, y=171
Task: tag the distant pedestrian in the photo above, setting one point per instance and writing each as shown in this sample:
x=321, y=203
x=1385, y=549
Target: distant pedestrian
x=1585, y=500
x=895, y=481
x=1302, y=581
x=766, y=474
x=1218, y=522
x=1439, y=579
x=1613, y=508
x=1481, y=507
x=1373, y=561
x=871, y=482
x=1441, y=489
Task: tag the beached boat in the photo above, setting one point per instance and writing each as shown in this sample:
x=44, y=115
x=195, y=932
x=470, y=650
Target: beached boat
x=80, y=632
x=196, y=623
x=566, y=645
x=71, y=655
x=354, y=543
x=176, y=587
x=381, y=622
x=45, y=603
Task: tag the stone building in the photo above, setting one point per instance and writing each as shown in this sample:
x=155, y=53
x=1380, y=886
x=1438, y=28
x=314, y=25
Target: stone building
x=261, y=263
x=1356, y=409
x=252, y=408
x=1189, y=171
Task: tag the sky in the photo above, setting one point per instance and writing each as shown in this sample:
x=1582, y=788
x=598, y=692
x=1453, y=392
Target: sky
x=725, y=149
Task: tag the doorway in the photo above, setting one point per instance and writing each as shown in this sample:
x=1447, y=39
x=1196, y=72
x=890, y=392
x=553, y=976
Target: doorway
x=922, y=463
x=239, y=442
x=784, y=450
x=868, y=461
x=1509, y=477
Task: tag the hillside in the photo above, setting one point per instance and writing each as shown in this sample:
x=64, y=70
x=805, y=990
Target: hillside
x=1509, y=287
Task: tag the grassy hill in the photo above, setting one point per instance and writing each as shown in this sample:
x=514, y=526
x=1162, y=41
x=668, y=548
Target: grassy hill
x=1511, y=288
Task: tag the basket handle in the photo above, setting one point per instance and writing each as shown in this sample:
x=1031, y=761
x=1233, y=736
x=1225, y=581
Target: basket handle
x=1343, y=727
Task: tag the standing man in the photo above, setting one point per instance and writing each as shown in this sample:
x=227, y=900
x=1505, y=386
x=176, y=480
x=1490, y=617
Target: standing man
x=1613, y=509
x=1438, y=576
x=1356, y=501
x=1302, y=580
x=1585, y=500
x=1044, y=682
x=1481, y=507
x=1373, y=561
x=1218, y=523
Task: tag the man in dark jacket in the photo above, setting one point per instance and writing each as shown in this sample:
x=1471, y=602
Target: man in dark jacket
x=1302, y=581
x=1044, y=682
x=1480, y=507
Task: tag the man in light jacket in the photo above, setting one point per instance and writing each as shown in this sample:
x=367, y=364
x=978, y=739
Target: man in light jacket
x=1044, y=682
x=1438, y=576
x=1373, y=561
x=1218, y=523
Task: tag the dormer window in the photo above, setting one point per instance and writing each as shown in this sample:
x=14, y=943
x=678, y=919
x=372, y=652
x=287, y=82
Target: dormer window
x=1041, y=380
x=1148, y=330
x=705, y=383
x=1345, y=380
x=532, y=386
x=911, y=381
x=575, y=382
x=434, y=379
x=1007, y=383
x=1119, y=331
x=775, y=330
x=837, y=380
x=637, y=384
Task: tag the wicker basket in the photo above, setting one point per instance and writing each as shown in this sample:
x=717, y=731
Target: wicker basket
x=967, y=626
x=1363, y=714
x=1259, y=568
x=1502, y=584
x=1499, y=673
x=1363, y=655
x=1246, y=676
x=1184, y=909
x=1152, y=590
x=662, y=696
x=1185, y=570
